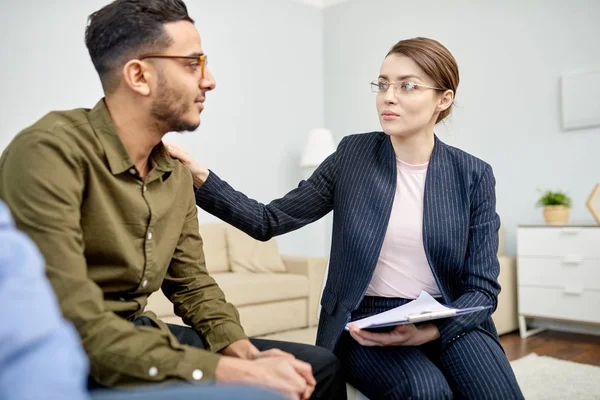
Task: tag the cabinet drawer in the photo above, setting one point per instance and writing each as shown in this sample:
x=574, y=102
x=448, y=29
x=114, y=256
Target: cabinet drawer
x=567, y=272
x=559, y=242
x=555, y=303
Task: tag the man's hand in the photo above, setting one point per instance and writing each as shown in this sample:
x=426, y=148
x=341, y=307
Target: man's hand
x=241, y=349
x=274, y=353
x=401, y=335
x=246, y=350
x=286, y=375
x=306, y=373
x=199, y=172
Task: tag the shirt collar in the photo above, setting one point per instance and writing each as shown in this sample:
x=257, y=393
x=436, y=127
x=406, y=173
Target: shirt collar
x=117, y=157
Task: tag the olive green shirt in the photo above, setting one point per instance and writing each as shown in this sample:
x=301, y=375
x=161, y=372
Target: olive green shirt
x=110, y=240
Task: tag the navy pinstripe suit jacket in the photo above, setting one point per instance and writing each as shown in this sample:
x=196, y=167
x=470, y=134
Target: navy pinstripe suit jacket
x=358, y=182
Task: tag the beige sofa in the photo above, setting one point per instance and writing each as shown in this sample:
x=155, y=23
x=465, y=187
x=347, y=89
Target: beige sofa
x=273, y=293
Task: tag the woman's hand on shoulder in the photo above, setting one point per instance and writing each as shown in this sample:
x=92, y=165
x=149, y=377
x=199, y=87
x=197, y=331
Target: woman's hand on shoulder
x=401, y=335
x=199, y=172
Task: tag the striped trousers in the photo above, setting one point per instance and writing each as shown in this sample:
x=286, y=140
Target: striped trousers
x=472, y=367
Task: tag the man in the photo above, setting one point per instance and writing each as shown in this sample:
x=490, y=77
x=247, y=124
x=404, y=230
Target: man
x=115, y=217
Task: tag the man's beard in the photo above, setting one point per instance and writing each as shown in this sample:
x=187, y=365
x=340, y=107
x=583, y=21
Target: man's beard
x=169, y=108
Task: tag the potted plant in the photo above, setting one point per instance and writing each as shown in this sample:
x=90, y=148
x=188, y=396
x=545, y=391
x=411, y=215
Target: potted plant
x=556, y=207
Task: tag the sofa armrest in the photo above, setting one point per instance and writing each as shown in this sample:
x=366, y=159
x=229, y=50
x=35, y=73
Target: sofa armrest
x=314, y=268
x=505, y=316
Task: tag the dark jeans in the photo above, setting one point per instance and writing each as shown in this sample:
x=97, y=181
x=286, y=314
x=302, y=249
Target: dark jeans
x=327, y=370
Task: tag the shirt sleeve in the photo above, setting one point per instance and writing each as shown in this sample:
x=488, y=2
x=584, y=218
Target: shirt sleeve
x=40, y=353
x=197, y=298
x=43, y=182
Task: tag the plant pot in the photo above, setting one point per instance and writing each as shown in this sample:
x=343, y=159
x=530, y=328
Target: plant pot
x=556, y=215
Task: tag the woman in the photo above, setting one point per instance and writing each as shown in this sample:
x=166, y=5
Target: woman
x=411, y=214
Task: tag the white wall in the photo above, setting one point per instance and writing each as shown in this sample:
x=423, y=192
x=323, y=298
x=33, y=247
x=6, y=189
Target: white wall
x=510, y=54
x=266, y=56
x=283, y=68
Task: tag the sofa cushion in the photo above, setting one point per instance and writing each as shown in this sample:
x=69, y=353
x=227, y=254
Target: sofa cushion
x=249, y=288
x=250, y=255
x=262, y=319
x=214, y=241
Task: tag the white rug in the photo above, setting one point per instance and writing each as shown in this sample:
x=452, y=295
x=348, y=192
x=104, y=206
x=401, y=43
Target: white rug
x=542, y=377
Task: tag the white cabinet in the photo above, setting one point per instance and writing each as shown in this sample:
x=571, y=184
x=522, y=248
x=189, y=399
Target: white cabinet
x=558, y=274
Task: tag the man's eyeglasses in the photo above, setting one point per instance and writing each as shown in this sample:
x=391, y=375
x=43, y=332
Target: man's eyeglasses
x=201, y=59
x=402, y=87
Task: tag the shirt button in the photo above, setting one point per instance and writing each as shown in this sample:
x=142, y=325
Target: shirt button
x=132, y=171
x=145, y=188
x=149, y=235
x=197, y=374
x=145, y=283
x=153, y=371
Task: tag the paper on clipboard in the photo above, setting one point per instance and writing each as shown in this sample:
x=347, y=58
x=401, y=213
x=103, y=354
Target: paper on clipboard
x=424, y=308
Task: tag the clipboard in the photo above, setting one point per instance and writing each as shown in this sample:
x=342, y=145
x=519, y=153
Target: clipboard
x=424, y=308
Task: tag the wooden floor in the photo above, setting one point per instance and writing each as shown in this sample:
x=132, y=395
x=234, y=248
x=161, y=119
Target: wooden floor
x=566, y=346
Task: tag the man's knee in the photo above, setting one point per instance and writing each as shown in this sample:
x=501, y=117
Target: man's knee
x=321, y=359
x=327, y=369
x=327, y=358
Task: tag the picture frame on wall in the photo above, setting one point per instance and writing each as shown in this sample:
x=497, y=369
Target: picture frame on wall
x=580, y=98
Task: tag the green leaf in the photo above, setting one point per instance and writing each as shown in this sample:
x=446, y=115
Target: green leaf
x=550, y=198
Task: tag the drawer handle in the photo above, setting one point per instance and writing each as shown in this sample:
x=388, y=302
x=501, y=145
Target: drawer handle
x=574, y=290
x=571, y=231
x=572, y=260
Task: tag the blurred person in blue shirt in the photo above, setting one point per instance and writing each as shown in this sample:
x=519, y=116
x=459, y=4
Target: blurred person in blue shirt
x=40, y=353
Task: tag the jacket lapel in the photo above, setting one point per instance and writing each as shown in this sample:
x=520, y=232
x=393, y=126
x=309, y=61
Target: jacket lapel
x=377, y=209
x=433, y=207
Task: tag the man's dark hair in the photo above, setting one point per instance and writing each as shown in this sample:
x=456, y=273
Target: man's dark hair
x=125, y=29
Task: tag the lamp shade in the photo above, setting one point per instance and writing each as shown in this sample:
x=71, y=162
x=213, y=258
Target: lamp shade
x=319, y=146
